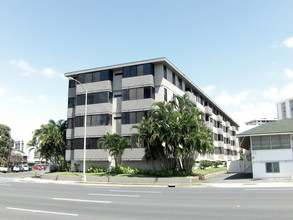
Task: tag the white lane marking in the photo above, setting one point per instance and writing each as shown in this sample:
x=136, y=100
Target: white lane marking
x=103, y=187
x=81, y=200
x=114, y=195
x=275, y=189
x=130, y=191
x=41, y=211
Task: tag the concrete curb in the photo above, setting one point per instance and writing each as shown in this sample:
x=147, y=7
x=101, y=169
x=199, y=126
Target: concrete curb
x=134, y=180
x=207, y=176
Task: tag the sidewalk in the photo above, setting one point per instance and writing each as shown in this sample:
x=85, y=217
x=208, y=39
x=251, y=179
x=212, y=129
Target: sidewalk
x=227, y=180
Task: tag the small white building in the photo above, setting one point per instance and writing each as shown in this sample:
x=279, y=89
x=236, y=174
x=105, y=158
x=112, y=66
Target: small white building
x=271, y=149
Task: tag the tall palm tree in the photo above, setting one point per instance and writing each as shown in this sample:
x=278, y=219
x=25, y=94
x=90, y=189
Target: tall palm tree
x=174, y=132
x=51, y=141
x=145, y=135
x=116, y=145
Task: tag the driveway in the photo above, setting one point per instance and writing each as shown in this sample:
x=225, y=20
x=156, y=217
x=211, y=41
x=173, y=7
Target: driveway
x=230, y=178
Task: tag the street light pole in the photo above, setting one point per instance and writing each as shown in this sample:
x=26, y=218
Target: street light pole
x=84, y=137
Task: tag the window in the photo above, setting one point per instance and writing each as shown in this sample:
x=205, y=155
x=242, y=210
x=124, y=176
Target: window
x=140, y=70
x=126, y=72
x=273, y=167
x=180, y=83
x=95, y=98
x=173, y=79
x=96, y=76
x=79, y=121
x=280, y=141
x=71, y=102
x=165, y=72
x=70, y=123
x=133, y=117
x=94, y=120
x=138, y=93
x=91, y=143
x=72, y=84
x=88, y=77
x=271, y=142
x=132, y=71
x=80, y=100
x=165, y=95
x=148, y=69
x=147, y=92
x=80, y=78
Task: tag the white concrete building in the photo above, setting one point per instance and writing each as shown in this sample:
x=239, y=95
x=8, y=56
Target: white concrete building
x=271, y=147
x=285, y=109
x=120, y=95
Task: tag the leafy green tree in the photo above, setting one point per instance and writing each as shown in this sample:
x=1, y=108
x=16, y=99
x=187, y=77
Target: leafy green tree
x=50, y=141
x=174, y=133
x=6, y=142
x=116, y=144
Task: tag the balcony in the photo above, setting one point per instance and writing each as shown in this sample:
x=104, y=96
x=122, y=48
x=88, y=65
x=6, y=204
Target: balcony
x=137, y=105
x=135, y=154
x=95, y=131
x=219, y=118
x=208, y=110
x=138, y=81
x=220, y=131
x=91, y=155
x=209, y=125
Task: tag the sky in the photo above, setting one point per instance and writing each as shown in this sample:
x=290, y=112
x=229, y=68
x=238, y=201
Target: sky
x=239, y=52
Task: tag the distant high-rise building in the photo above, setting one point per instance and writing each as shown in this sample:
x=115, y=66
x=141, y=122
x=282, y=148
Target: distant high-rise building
x=285, y=109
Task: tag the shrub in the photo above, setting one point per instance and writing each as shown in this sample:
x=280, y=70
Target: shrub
x=205, y=163
x=218, y=163
x=159, y=173
x=96, y=170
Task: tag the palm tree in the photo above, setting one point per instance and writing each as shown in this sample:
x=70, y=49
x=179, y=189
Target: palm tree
x=145, y=135
x=116, y=144
x=174, y=132
x=51, y=141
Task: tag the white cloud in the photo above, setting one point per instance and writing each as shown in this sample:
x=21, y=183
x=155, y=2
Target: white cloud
x=43, y=98
x=49, y=72
x=288, y=42
x=254, y=111
x=2, y=91
x=209, y=89
x=225, y=99
x=26, y=69
x=289, y=73
x=20, y=99
x=275, y=94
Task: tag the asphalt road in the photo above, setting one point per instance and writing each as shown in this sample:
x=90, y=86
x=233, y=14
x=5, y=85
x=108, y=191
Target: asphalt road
x=21, y=199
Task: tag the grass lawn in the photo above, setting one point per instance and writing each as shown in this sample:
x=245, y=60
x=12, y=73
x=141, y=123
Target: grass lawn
x=199, y=172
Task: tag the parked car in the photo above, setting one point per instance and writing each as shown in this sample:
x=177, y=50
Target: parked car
x=24, y=168
x=3, y=169
x=38, y=167
x=15, y=169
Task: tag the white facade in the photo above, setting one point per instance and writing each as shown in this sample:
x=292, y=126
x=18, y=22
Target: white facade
x=282, y=157
x=131, y=89
x=285, y=109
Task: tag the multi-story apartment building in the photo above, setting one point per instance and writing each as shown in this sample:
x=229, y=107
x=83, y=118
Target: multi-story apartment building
x=285, y=109
x=120, y=95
